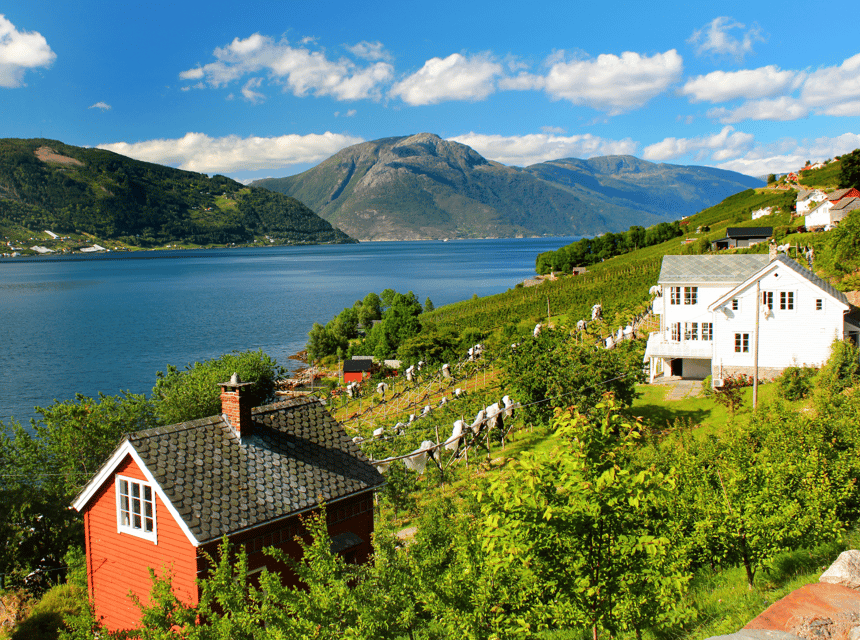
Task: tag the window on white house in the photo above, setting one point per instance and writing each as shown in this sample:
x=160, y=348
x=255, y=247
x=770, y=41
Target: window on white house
x=691, y=295
x=676, y=331
x=736, y=304
x=742, y=343
x=819, y=304
x=707, y=331
x=767, y=300
x=786, y=300
x=135, y=502
x=675, y=295
x=691, y=331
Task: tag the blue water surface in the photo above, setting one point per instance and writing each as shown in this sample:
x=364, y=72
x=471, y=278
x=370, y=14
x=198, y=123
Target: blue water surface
x=107, y=324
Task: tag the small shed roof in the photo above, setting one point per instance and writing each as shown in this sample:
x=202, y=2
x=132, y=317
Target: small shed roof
x=749, y=232
x=353, y=366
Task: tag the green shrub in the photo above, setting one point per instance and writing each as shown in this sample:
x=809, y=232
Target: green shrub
x=708, y=387
x=842, y=369
x=795, y=383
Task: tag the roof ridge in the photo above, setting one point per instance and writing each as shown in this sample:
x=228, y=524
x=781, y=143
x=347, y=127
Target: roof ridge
x=173, y=428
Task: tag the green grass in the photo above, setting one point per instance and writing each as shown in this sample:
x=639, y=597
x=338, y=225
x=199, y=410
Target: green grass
x=662, y=414
x=827, y=176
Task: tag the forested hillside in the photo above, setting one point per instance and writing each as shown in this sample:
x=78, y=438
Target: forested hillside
x=45, y=184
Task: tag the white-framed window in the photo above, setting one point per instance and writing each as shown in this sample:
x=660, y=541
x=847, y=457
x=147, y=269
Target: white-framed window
x=736, y=304
x=675, y=295
x=676, y=331
x=819, y=304
x=767, y=300
x=707, y=331
x=135, y=508
x=742, y=343
x=691, y=331
x=786, y=300
x=691, y=295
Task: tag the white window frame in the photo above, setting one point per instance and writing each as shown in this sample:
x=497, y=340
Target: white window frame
x=691, y=295
x=819, y=304
x=707, y=331
x=736, y=304
x=123, y=508
x=674, y=295
x=787, y=301
x=676, y=331
x=742, y=342
x=767, y=300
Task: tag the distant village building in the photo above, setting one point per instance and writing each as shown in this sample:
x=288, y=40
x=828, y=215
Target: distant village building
x=807, y=199
x=830, y=211
x=740, y=237
x=708, y=313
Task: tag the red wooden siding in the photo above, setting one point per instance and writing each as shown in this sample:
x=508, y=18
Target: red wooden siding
x=354, y=515
x=118, y=563
x=355, y=376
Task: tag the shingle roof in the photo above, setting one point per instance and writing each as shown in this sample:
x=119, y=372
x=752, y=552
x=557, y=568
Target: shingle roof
x=749, y=232
x=733, y=268
x=848, y=204
x=297, y=456
x=838, y=194
x=814, y=279
x=357, y=365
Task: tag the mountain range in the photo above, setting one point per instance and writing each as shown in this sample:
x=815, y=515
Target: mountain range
x=423, y=187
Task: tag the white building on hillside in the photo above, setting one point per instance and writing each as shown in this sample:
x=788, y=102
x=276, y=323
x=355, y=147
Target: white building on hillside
x=808, y=199
x=708, y=313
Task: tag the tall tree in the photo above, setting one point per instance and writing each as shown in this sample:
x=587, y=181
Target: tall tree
x=849, y=175
x=582, y=519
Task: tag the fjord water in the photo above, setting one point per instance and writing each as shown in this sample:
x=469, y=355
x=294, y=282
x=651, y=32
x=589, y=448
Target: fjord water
x=109, y=322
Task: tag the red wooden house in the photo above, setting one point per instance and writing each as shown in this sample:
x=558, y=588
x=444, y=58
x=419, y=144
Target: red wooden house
x=167, y=495
x=356, y=370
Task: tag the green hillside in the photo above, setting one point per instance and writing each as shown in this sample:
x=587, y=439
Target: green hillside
x=97, y=194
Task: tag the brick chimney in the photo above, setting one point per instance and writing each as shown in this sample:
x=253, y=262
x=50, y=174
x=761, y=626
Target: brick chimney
x=236, y=405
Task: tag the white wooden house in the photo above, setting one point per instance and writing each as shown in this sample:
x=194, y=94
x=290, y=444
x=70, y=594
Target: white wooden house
x=808, y=199
x=708, y=312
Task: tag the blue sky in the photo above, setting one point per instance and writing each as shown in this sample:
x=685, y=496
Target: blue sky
x=267, y=88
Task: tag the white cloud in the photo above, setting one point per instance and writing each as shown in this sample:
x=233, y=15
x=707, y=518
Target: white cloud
x=778, y=110
x=453, y=78
x=249, y=93
x=714, y=38
x=722, y=86
x=19, y=51
x=611, y=83
x=369, y=51
x=522, y=82
x=834, y=91
x=192, y=74
x=199, y=152
x=719, y=146
x=541, y=147
x=104, y=106
x=557, y=130
x=298, y=69
x=788, y=154
x=829, y=91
